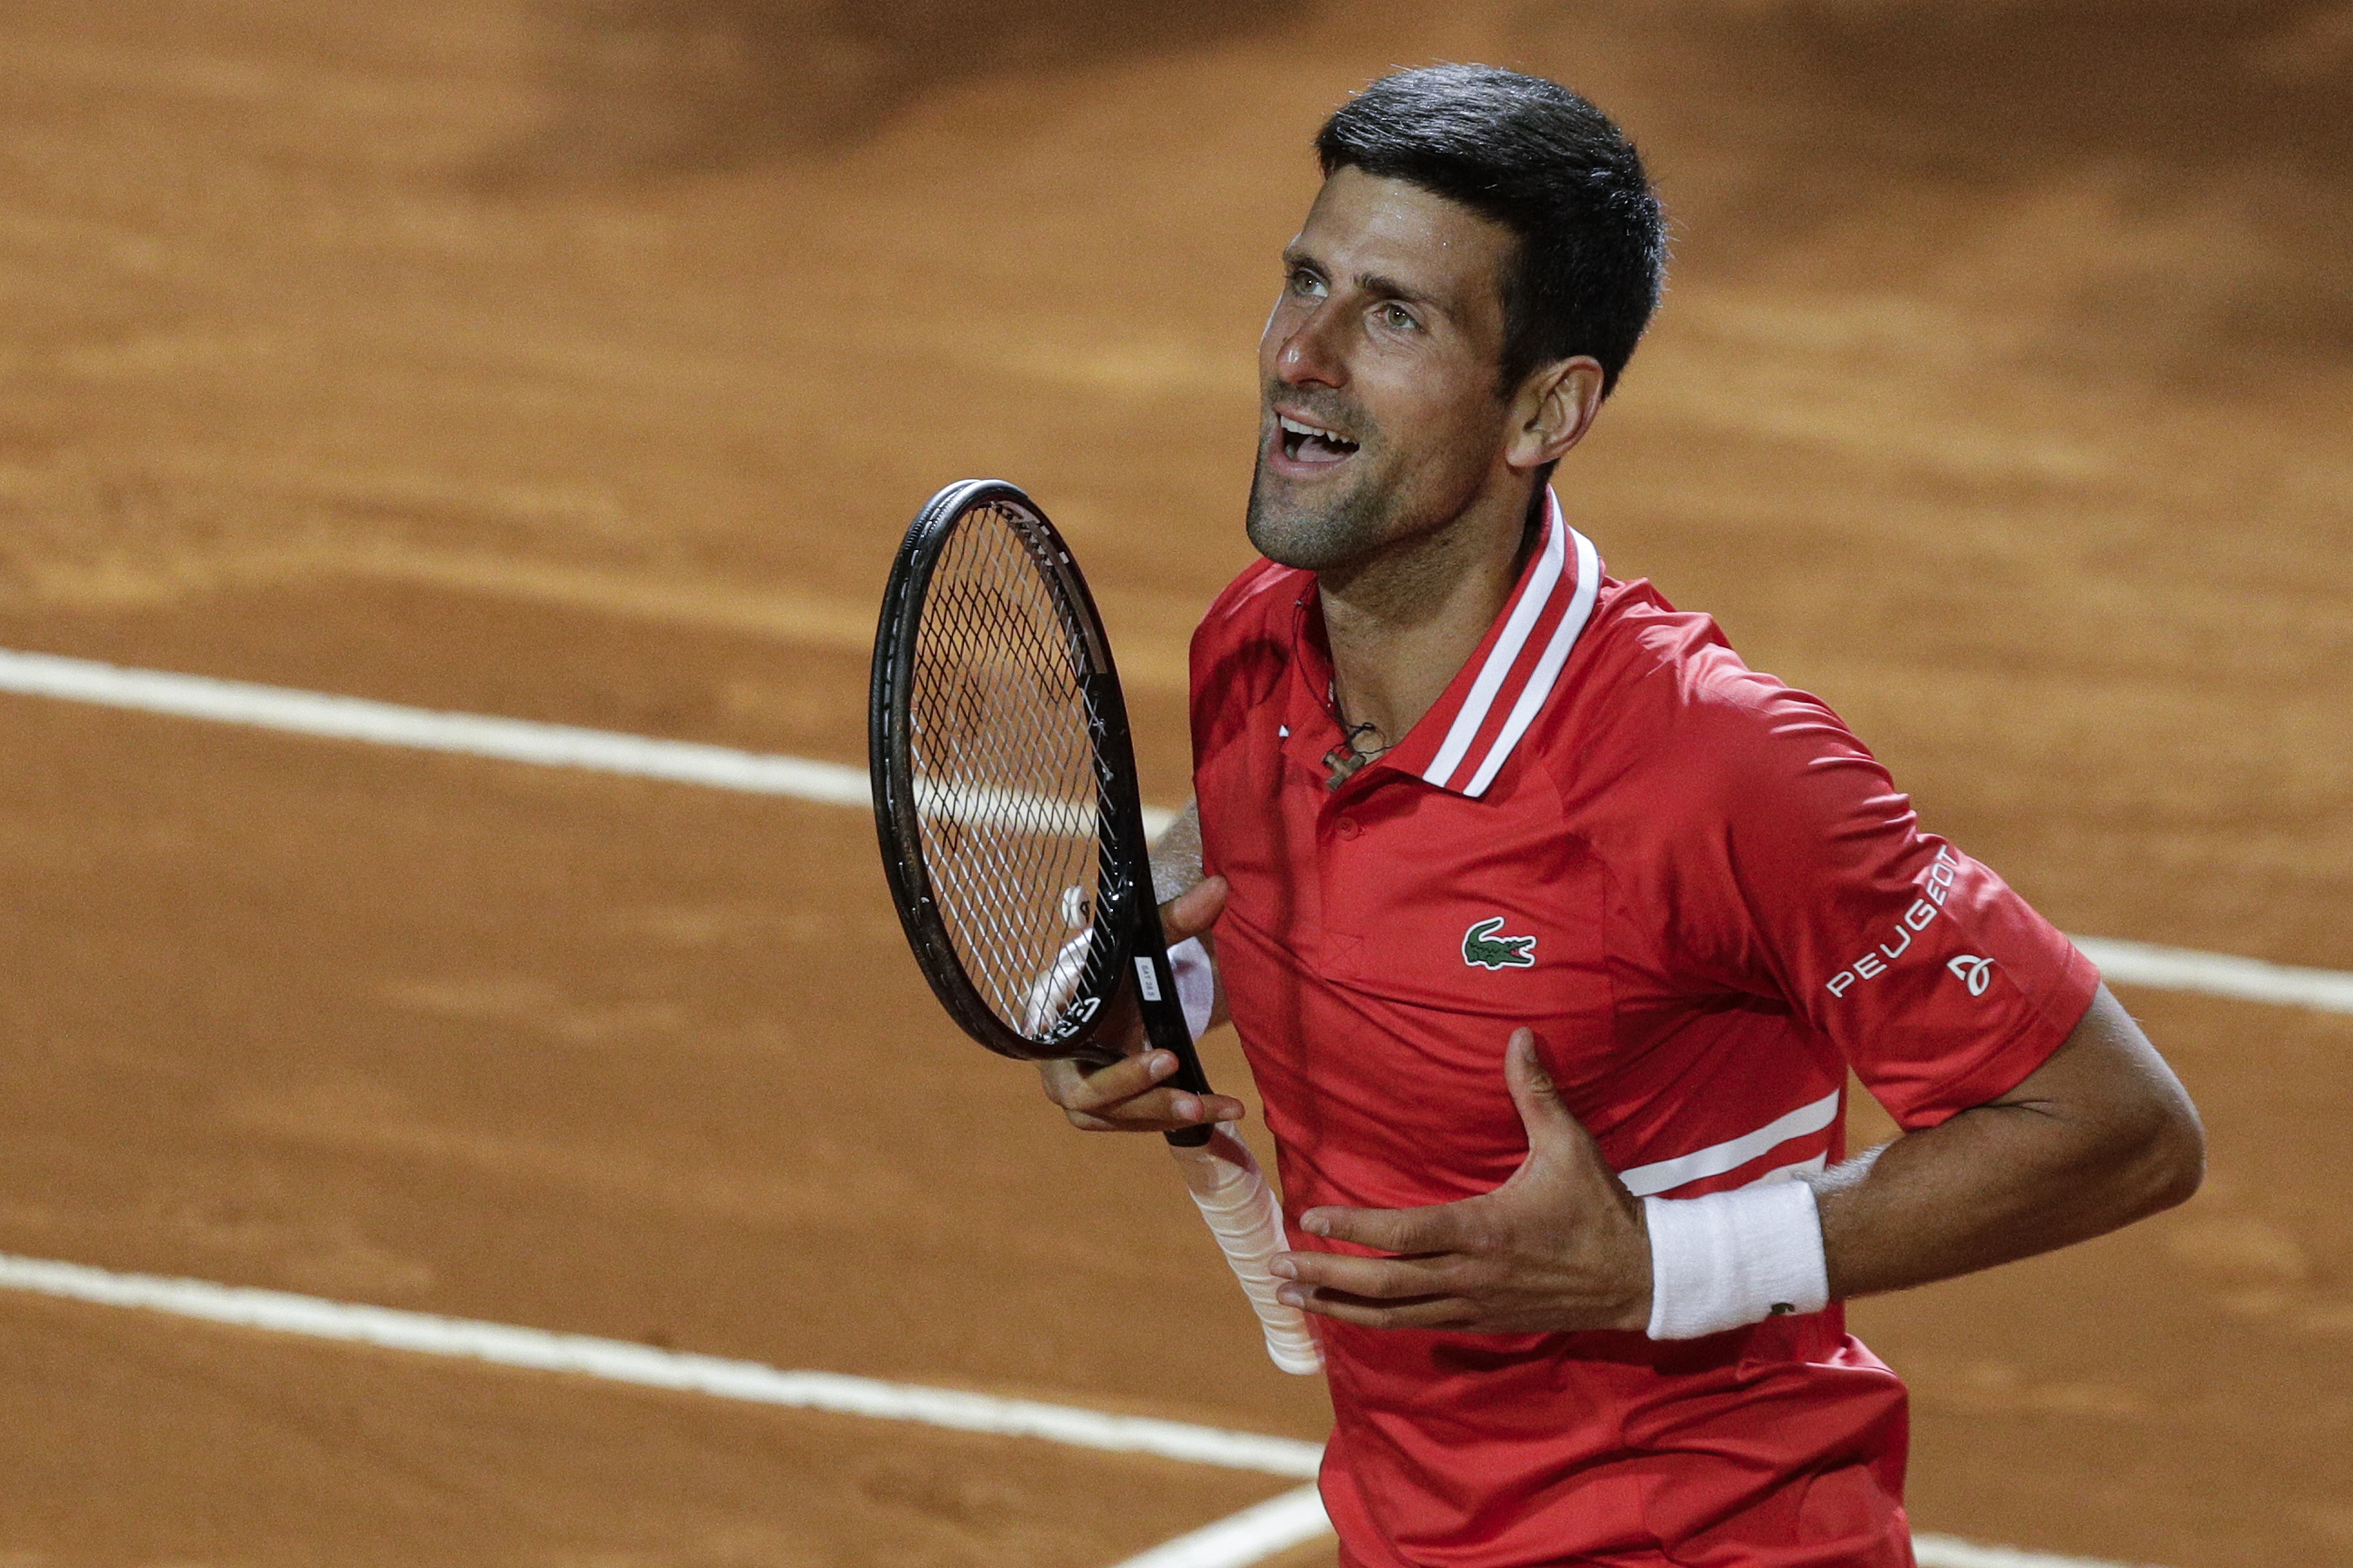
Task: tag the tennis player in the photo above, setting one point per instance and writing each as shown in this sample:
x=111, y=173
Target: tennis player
x=1552, y=929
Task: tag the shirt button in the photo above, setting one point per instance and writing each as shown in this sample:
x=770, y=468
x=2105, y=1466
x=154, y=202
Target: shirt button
x=1348, y=827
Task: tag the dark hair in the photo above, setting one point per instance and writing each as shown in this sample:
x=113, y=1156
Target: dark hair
x=1535, y=157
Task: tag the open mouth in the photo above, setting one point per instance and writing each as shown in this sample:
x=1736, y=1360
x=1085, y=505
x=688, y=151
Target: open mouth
x=1305, y=443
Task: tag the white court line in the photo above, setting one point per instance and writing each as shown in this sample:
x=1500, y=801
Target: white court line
x=832, y=784
x=619, y=1361
x=1249, y=1536
x=1246, y=1538
x=2217, y=973
x=390, y=724
x=1253, y=1535
x=424, y=728
x=1282, y=1522
x=1950, y=1552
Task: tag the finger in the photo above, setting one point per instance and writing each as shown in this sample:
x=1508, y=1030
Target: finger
x=1163, y=1110
x=1122, y=1096
x=1433, y=1229
x=1429, y=1312
x=1147, y=1113
x=1077, y=1088
x=1542, y=1110
x=1375, y=1278
x=1154, y=1113
x=1557, y=1141
x=1194, y=911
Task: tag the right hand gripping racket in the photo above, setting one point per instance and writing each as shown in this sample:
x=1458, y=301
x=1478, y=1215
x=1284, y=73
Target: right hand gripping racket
x=1005, y=798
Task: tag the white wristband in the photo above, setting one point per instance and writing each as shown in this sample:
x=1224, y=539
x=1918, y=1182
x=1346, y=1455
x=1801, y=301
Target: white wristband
x=1734, y=1258
x=1197, y=984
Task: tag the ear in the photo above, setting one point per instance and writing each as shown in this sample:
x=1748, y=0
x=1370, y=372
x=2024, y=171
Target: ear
x=1552, y=411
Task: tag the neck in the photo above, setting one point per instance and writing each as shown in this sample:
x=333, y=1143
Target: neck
x=1402, y=623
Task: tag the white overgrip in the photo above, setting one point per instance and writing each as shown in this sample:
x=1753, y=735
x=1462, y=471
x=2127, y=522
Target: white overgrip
x=1242, y=1213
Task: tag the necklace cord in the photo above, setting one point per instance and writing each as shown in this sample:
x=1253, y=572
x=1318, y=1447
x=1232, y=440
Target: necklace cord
x=1349, y=733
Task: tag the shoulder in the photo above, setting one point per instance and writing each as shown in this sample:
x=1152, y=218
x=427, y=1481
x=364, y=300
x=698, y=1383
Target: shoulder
x=1248, y=625
x=1242, y=646
x=1664, y=700
x=1261, y=591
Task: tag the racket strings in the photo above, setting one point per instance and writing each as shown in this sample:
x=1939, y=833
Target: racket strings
x=1002, y=758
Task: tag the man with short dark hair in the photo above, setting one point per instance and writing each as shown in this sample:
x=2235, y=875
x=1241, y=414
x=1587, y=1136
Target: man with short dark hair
x=1552, y=931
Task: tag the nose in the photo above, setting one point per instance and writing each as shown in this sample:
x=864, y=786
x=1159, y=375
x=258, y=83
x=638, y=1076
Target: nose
x=1310, y=355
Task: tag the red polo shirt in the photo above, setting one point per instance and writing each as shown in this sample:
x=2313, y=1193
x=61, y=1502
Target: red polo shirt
x=1708, y=900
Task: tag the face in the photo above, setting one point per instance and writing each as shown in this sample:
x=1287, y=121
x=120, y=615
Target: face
x=1381, y=417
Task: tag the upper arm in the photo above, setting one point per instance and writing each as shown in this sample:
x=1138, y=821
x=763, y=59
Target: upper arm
x=2099, y=1134
x=1807, y=878
x=2107, y=1086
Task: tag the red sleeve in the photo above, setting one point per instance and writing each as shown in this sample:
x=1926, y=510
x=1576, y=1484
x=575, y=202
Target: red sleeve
x=1801, y=873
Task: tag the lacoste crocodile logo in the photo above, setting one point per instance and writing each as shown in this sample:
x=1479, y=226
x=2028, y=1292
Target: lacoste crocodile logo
x=1484, y=948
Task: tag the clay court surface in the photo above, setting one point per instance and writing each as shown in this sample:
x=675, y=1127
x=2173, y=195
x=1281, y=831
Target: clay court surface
x=582, y=360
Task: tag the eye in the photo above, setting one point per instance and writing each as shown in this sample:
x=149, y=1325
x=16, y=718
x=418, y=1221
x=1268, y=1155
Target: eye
x=1398, y=318
x=1303, y=281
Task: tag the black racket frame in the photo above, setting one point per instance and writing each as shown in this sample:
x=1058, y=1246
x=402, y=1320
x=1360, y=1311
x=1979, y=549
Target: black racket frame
x=1127, y=915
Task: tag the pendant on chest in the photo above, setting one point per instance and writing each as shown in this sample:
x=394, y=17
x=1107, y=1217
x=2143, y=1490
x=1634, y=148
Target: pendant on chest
x=1343, y=761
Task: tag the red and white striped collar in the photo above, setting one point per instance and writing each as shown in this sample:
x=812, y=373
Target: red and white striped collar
x=1470, y=732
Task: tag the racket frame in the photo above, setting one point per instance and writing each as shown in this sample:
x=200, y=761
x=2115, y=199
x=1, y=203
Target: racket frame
x=1126, y=918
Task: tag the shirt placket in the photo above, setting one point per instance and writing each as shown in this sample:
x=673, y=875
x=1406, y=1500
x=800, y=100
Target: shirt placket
x=1349, y=854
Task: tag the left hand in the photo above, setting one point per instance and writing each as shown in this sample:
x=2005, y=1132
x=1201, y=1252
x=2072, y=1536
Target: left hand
x=1561, y=1245
x=1128, y=1096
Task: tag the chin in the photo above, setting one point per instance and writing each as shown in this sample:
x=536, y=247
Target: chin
x=1309, y=539
x=1314, y=532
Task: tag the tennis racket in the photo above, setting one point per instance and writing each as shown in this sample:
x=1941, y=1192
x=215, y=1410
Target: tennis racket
x=1006, y=799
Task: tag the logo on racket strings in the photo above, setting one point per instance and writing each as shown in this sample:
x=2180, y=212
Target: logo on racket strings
x=1072, y=1021
x=1482, y=949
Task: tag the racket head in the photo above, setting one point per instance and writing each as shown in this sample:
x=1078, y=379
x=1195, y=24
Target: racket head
x=1005, y=796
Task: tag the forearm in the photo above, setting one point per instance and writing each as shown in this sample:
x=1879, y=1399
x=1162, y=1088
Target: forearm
x=1177, y=855
x=2101, y=1135
x=1967, y=1195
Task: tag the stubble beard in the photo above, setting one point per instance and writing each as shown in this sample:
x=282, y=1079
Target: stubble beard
x=1378, y=515
x=1339, y=526
x=1318, y=536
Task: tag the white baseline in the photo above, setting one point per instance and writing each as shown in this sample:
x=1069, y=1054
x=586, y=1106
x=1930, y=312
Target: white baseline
x=833, y=783
x=619, y=1361
x=2218, y=974
x=1248, y=1537
x=334, y=718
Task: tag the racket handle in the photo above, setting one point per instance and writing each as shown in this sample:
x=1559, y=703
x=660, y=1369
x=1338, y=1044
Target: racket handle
x=1242, y=1213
